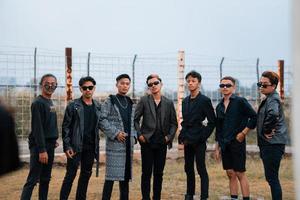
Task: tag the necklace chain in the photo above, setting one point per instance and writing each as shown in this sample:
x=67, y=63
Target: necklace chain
x=126, y=102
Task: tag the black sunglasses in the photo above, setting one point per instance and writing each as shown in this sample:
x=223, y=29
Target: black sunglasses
x=50, y=87
x=154, y=83
x=87, y=87
x=261, y=85
x=225, y=85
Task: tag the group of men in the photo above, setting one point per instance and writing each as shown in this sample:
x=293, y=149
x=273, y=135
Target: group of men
x=152, y=123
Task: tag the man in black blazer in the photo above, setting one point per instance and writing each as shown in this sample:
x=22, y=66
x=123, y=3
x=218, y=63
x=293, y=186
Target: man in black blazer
x=155, y=133
x=197, y=125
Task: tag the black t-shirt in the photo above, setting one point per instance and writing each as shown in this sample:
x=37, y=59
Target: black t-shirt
x=158, y=136
x=89, y=124
x=43, y=123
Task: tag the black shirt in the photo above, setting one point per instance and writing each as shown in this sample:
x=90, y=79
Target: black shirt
x=89, y=124
x=125, y=107
x=158, y=136
x=239, y=114
x=43, y=123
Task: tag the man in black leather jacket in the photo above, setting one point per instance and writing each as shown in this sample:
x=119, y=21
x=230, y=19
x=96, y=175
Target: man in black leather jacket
x=80, y=138
x=272, y=133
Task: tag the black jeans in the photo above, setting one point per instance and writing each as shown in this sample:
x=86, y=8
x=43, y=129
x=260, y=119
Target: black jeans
x=153, y=159
x=86, y=160
x=123, y=187
x=39, y=172
x=271, y=156
x=192, y=151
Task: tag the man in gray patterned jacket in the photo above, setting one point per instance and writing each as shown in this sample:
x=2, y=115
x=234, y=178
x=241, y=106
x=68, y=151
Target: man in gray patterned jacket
x=116, y=123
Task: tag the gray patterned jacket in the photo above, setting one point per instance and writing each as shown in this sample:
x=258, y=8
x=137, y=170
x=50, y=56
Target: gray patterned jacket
x=111, y=123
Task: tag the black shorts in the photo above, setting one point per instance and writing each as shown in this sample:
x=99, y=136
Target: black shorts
x=234, y=156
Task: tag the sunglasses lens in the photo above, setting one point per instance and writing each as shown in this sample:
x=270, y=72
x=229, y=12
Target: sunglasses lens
x=50, y=87
x=260, y=85
x=87, y=87
x=225, y=85
x=154, y=83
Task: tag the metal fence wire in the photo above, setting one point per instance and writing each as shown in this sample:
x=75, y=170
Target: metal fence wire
x=21, y=69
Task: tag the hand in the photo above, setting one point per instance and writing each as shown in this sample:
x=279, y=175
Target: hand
x=70, y=153
x=167, y=140
x=240, y=137
x=142, y=139
x=217, y=154
x=180, y=139
x=43, y=157
x=121, y=137
x=270, y=135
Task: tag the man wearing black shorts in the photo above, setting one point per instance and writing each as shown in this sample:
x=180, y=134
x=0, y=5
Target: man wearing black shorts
x=235, y=117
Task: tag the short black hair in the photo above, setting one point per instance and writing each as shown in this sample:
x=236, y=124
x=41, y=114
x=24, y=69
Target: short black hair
x=86, y=79
x=272, y=76
x=230, y=78
x=123, y=76
x=194, y=74
x=151, y=76
x=45, y=76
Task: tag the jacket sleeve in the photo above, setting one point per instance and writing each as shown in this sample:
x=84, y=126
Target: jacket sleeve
x=67, y=126
x=173, y=122
x=108, y=128
x=37, y=126
x=272, y=115
x=137, y=117
x=211, y=118
x=250, y=113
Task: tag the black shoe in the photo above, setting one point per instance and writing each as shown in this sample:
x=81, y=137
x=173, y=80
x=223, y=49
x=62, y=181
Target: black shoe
x=188, y=197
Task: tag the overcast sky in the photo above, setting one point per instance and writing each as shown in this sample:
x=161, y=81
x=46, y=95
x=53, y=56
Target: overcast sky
x=231, y=28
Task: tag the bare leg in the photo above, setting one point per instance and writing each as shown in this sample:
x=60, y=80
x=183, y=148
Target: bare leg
x=244, y=183
x=233, y=182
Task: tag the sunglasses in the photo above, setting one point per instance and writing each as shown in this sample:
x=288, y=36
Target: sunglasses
x=154, y=83
x=225, y=85
x=50, y=87
x=261, y=85
x=87, y=87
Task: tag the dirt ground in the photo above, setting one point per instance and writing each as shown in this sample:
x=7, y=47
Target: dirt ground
x=173, y=185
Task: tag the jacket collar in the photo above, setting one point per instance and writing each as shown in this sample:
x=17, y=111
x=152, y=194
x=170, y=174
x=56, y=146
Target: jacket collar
x=232, y=97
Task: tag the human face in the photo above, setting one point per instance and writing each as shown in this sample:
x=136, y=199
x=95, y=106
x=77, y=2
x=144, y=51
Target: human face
x=87, y=89
x=49, y=85
x=154, y=85
x=227, y=87
x=123, y=86
x=192, y=83
x=267, y=87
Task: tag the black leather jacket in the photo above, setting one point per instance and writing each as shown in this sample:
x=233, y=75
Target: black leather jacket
x=73, y=126
x=270, y=116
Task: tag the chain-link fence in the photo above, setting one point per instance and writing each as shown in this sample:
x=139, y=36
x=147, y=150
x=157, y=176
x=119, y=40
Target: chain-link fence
x=21, y=69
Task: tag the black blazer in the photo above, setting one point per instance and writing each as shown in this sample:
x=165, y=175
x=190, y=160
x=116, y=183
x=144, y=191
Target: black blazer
x=193, y=128
x=146, y=109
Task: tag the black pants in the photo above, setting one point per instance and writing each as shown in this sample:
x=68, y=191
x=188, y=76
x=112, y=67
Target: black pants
x=192, y=151
x=153, y=159
x=86, y=160
x=271, y=156
x=108, y=186
x=39, y=172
